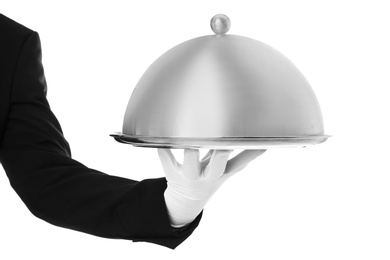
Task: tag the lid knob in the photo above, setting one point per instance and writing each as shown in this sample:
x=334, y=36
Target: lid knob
x=220, y=24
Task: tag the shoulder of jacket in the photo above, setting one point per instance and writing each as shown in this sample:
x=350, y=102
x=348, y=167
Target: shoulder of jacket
x=10, y=29
x=13, y=37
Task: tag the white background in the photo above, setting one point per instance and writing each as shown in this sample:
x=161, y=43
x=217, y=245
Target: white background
x=329, y=201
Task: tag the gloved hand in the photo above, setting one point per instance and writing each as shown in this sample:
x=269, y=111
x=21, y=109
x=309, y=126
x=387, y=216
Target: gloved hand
x=192, y=184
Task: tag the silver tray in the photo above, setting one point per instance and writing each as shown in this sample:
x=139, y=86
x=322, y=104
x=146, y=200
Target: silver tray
x=219, y=143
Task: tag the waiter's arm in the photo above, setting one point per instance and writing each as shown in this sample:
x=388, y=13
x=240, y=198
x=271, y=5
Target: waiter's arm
x=64, y=192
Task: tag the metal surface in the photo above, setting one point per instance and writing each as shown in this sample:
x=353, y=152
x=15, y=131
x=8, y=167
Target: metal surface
x=219, y=143
x=222, y=87
x=220, y=24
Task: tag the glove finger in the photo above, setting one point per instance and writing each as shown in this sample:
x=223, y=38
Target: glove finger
x=168, y=160
x=216, y=167
x=206, y=159
x=208, y=155
x=241, y=160
x=191, y=164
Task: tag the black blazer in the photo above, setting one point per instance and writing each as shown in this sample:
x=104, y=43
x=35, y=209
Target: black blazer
x=38, y=163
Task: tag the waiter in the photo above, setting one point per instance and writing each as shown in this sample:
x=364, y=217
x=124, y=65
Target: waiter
x=64, y=192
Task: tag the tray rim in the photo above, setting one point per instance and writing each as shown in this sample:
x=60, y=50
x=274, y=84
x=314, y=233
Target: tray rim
x=219, y=142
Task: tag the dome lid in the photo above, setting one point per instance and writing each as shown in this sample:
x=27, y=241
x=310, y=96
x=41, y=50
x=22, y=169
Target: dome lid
x=222, y=92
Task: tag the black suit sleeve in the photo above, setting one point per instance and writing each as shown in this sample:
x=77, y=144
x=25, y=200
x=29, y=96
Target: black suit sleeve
x=62, y=191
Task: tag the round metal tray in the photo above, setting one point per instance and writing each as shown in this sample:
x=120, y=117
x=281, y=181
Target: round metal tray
x=219, y=143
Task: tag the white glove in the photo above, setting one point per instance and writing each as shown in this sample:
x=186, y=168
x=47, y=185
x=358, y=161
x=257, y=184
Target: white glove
x=192, y=184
